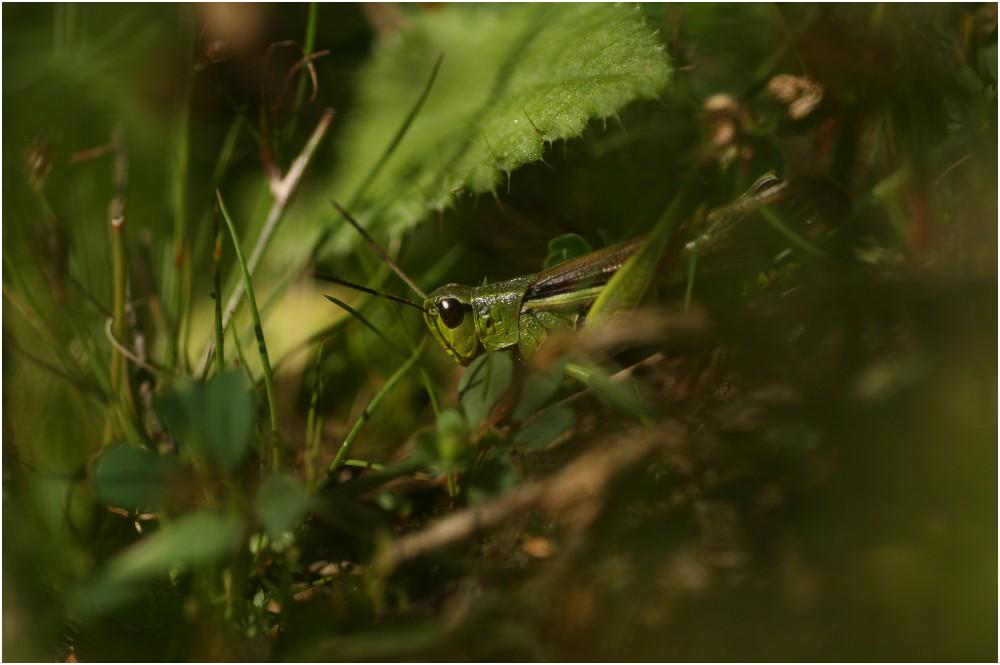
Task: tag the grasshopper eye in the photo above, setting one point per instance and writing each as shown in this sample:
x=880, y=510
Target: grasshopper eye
x=451, y=312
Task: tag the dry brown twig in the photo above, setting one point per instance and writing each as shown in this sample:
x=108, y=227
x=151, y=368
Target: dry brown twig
x=578, y=487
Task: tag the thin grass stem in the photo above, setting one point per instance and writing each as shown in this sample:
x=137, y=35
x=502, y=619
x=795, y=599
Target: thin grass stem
x=119, y=369
x=220, y=360
x=241, y=357
x=283, y=193
x=272, y=403
x=366, y=413
x=78, y=383
x=307, y=49
x=390, y=148
x=366, y=323
x=175, y=277
x=692, y=266
x=397, y=138
x=779, y=225
x=312, y=440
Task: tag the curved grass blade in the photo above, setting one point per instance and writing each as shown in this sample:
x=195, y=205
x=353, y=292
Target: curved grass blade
x=624, y=291
x=272, y=402
x=366, y=414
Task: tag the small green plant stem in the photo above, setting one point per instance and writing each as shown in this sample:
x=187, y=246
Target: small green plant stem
x=369, y=409
x=383, y=159
x=625, y=289
x=364, y=464
x=380, y=476
x=307, y=49
x=218, y=172
x=120, y=390
x=283, y=192
x=272, y=402
x=241, y=357
x=424, y=377
x=774, y=219
x=397, y=138
x=29, y=310
x=692, y=266
x=220, y=359
x=178, y=278
x=312, y=431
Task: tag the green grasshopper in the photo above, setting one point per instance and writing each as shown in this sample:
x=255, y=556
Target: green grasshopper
x=520, y=313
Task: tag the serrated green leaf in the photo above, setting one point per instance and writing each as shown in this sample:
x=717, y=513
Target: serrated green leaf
x=565, y=247
x=282, y=502
x=482, y=385
x=513, y=80
x=130, y=477
x=212, y=420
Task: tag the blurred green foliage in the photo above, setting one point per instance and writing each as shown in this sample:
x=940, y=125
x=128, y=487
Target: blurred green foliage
x=818, y=396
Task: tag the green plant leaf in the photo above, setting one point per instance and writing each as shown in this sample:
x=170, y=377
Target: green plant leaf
x=452, y=431
x=211, y=420
x=621, y=395
x=543, y=430
x=565, y=247
x=194, y=540
x=629, y=284
x=513, y=80
x=282, y=502
x=494, y=476
x=538, y=388
x=484, y=382
x=132, y=478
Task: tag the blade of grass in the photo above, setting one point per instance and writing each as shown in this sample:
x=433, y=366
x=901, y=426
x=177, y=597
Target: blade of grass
x=119, y=367
x=283, y=194
x=424, y=377
x=272, y=403
x=692, y=262
x=390, y=148
x=434, y=275
x=397, y=138
x=242, y=358
x=365, y=322
x=35, y=321
x=370, y=481
x=220, y=360
x=373, y=403
x=774, y=219
x=218, y=172
x=692, y=267
x=364, y=464
x=629, y=284
x=307, y=49
x=82, y=385
x=175, y=276
x=312, y=432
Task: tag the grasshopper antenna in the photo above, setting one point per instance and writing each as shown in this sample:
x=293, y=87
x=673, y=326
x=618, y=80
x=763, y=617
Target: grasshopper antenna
x=365, y=289
x=378, y=250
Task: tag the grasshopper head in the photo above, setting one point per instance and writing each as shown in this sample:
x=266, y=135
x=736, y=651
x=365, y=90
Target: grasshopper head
x=448, y=313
